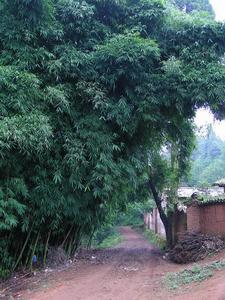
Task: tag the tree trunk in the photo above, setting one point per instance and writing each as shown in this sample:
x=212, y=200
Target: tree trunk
x=166, y=220
x=169, y=234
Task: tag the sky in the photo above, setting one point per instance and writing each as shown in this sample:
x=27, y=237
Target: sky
x=219, y=8
x=203, y=116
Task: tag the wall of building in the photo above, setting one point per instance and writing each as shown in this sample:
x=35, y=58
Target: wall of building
x=206, y=219
x=153, y=222
x=209, y=219
x=193, y=218
x=212, y=219
x=179, y=224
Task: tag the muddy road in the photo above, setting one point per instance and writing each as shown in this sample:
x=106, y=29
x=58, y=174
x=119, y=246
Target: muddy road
x=129, y=271
x=134, y=270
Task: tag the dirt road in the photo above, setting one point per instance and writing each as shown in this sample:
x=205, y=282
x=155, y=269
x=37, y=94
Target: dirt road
x=131, y=271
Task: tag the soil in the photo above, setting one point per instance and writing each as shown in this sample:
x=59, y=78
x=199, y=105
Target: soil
x=134, y=270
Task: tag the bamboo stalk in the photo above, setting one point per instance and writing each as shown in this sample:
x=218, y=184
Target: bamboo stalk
x=90, y=239
x=23, y=248
x=28, y=253
x=77, y=239
x=67, y=235
x=33, y=251
x=46, y=248
x=69, y=250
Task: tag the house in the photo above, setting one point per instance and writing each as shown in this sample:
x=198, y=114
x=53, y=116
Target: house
x=220, y=183
x=197, y=210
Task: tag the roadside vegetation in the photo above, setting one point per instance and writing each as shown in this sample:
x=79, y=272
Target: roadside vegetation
x=111, y=241
x=106, y=236
x=196, y=273
x=133, y=213
x=155, y=239
x=151, y=236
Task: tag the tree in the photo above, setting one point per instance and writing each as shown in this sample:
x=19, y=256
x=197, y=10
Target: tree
x=166, y=170
x=88, y=90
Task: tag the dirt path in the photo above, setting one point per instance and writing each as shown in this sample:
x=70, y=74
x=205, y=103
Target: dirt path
x=131, y=271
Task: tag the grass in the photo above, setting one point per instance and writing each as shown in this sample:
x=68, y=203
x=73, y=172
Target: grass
x=151, y=236
x=4, y=273
x=110, y=241
x=154, y=238
x=197, y=273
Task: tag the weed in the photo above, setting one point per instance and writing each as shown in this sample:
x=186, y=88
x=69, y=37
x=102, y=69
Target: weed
x=154, y=238
x=4, y=273
x=110, y=241
x=197, y=273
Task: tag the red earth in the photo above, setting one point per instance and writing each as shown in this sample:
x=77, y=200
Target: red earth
x=134, y=270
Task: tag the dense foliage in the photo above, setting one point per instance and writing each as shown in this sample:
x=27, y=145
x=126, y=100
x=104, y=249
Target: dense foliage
x=134, y=213
x=87, y=90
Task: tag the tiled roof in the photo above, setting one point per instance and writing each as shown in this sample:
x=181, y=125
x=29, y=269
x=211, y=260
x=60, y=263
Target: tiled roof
x=202, y=201
x=187, y=192
x=220, y=182
x=206, y=196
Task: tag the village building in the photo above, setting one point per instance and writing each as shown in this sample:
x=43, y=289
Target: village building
x=197, y=210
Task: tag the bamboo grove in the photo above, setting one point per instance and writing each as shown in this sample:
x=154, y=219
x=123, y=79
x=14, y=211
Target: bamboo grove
x=87, y=88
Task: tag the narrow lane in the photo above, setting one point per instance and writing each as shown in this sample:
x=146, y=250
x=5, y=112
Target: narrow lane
x=128, y=275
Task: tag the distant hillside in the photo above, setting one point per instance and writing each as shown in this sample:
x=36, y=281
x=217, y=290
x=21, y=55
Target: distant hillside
x=208, y=161
x=195, y=5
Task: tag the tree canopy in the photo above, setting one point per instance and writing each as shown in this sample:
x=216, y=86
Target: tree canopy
x=88, y=90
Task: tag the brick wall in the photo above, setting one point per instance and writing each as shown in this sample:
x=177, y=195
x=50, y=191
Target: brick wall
x=212, y=219
x=206, y=219
x=179, y=222
x=193, y=218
